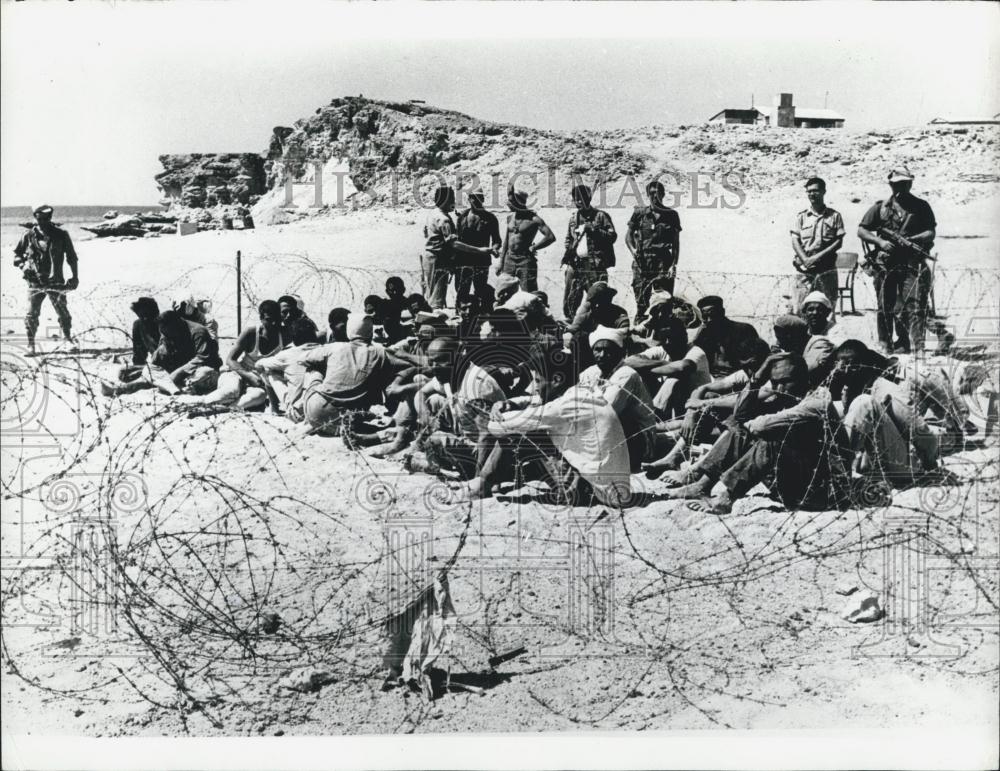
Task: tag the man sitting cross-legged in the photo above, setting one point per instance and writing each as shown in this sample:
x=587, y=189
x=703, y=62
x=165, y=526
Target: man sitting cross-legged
x=791, y=442
x=188, y=353
x=622, y=388
x=240, y=383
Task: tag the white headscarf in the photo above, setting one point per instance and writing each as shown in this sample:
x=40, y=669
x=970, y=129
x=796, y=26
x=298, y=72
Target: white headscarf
x=616, y=336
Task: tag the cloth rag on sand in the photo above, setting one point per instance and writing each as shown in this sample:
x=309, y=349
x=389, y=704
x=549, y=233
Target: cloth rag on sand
x=588, y=433
x=421, y=635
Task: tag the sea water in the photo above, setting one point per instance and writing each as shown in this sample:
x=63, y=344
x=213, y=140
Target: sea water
x=70, y=218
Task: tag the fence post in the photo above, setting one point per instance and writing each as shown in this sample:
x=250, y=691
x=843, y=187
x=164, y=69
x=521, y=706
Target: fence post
x=239, y=293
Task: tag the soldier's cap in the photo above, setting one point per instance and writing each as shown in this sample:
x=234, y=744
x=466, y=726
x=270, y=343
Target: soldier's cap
x=900, y=174
x=42, y=209
x=600, y=288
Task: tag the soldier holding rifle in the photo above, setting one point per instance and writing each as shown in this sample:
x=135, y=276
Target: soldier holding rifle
x=40, y=254
x=901, y=230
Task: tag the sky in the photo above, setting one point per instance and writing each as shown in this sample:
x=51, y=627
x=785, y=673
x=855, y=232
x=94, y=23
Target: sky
x=92, y=92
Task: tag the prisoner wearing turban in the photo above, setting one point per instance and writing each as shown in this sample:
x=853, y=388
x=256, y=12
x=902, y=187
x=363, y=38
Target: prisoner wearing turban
x=616, y=336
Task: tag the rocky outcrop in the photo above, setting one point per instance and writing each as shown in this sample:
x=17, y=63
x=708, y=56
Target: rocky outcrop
x=392, y=153
x=208, y=179
x=394, y=148
x=224, y=185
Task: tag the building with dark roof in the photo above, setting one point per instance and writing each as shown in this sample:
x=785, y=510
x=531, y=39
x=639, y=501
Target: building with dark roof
x=736, y=116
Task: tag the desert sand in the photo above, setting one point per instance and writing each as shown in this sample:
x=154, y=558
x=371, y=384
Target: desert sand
x=156, y=541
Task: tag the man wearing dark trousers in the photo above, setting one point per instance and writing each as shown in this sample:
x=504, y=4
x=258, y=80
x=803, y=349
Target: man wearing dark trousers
x=654, y=239
x=901, y=273
x=478, y=227
x=40, y=254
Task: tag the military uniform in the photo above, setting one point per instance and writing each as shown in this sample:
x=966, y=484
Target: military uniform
x=588, y=255
x=652, y=230
x=902, y=278
x=437, y=260
x=41, y=254
x=816, y=232
x=476, y=227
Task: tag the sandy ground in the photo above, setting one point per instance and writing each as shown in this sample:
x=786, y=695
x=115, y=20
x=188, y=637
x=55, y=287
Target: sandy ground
x=656, y=617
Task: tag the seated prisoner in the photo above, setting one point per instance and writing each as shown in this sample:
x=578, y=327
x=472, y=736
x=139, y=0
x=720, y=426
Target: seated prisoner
x=454, y=406
x=622, y=388
x=188, y=354
x=709, y=405
x=138, y=375
x=285, y=370
x=818, y=352
x=788, y=440
x=596, y=310
x=240, y=383
x=898, y=427
x=589, y=439
x=673, y=366
x=721, y=338
x=292, y=309
x=336, y=326
x=356, y=374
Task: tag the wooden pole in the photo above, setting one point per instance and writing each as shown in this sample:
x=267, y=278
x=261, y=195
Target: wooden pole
x=239, y=293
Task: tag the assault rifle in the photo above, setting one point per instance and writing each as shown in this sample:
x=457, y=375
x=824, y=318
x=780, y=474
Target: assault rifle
x=902, y=242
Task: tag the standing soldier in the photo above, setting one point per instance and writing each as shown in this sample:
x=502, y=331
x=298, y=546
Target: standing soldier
x=817, y=234
x=902, y=230
x=654, y=239
x=40, y=255
x=519, y=255
x=442, y=244
x=590, y=250
x=477, y=226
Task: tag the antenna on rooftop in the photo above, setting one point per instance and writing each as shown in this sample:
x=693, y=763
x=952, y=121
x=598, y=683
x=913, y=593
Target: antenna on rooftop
x=826, y=95
x=751, y=101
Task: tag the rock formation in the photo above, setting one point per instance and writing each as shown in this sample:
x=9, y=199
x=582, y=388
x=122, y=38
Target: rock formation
x=395, y=153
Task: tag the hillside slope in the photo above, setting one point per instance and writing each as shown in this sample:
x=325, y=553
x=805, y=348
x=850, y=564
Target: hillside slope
x=394, y=153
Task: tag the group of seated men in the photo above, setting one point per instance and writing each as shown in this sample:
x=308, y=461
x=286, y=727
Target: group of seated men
x=513, y=395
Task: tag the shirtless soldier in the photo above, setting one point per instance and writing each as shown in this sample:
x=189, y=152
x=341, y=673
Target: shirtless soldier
x=519, y=255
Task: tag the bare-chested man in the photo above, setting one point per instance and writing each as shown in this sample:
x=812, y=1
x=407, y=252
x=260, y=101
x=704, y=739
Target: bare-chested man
x=519, y=255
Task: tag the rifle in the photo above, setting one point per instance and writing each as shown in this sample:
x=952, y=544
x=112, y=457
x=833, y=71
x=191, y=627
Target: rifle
x=902, y=242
